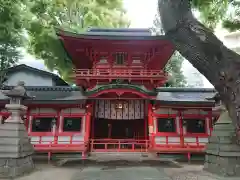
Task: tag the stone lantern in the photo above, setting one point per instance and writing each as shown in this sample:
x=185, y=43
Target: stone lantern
x=15, y=146
x=222, y=152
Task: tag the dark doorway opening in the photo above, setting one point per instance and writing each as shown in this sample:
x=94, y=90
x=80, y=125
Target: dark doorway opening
x=108, y=134
x=119, y=129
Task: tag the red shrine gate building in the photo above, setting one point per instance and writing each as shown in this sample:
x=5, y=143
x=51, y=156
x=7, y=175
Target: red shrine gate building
x=119, y=103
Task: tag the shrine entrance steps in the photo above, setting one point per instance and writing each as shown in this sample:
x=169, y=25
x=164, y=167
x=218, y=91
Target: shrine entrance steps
x=115, y=156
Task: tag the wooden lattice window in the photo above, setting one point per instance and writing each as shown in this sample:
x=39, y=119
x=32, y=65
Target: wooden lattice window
x=166, y=125
x=72, y=124
x=120, y=58
x=195, y=125
x=42, y=124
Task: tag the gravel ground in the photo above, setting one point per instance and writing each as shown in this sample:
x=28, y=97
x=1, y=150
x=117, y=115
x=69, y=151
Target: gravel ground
x=100, y=172
x=49, y=172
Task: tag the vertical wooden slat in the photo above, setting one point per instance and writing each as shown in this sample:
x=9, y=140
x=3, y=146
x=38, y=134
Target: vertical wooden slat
x=110, y=101
x=128, y=109
x=123, y=106
x=104, y=108
x=133, y=109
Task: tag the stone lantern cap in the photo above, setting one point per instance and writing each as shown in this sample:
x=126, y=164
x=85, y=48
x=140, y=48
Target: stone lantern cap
x=18, y=91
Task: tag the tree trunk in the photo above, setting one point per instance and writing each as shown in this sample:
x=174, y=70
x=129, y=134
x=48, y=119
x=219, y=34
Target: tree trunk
x=204, y=51
x=2, y=72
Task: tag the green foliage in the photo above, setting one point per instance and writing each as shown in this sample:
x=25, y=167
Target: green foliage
x=213, y=12
x=70, y=15
x=174, y=69
x=174, y=65
x=157, y=26
x=11, y=34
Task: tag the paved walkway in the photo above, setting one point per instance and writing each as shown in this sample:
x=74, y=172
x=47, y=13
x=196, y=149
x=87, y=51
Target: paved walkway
x=121, y=173
x=185, y=172
x=193, y=172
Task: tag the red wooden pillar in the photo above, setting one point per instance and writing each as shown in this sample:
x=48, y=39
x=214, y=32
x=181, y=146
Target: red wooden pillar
x=129, y=58
x=110, y=59
x=179, y=116
x=87, y=122
x=150, y=125
x=57, y=126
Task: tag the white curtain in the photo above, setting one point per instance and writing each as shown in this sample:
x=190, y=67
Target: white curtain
x=131, y=109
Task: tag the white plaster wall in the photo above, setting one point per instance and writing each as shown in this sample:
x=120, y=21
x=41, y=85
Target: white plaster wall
x=195, y=111
x=30, y=79
x=162, y=140
x=72, y=111
x=43, y=110
x=165, y=111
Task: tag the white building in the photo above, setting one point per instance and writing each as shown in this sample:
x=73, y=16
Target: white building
x=232, y=41
x=194, y=78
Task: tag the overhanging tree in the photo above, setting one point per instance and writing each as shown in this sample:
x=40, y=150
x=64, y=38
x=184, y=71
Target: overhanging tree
x=70, y=15
x=174, y=65
x=202, y=48
x=11, y=35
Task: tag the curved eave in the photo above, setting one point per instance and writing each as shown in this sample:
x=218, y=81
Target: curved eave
x=75, y=46
x=195, y=97
x=86, y=35
x=102, y=88
x=176, y=89
x=186, y=103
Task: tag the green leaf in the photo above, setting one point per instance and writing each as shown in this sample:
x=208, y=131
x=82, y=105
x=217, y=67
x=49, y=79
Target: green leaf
x=70, y=15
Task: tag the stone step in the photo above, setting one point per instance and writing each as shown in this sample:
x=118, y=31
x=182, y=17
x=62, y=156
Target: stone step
x=129, y=156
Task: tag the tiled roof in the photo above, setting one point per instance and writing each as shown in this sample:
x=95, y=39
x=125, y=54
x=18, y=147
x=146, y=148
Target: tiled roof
x=47, y=93
x=119, y=32
x=68, y=93
x=167, y=89
x=185, y=96
x=111, y=35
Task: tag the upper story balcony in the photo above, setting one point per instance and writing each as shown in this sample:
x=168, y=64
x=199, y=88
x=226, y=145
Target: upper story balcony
x=136, y=76
x=120, y=74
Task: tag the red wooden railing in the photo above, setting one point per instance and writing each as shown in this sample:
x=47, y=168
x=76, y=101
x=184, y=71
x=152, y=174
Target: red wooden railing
x=63, y=146
x=180, y=147
x=119, y=73
x=119, y=145
x=60, y=147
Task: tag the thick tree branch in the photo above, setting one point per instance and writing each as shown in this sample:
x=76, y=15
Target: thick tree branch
x=204, y=50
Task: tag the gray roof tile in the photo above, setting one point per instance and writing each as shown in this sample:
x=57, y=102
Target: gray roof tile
x=184, y=96
x=51, y=93
x=67, y=93
x=119, y=32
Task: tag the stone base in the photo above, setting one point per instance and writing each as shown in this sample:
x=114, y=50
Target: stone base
x=222, y=166
x=222, y=152
x=10, y=168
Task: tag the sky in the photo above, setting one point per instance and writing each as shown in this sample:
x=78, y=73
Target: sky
x=141, y=13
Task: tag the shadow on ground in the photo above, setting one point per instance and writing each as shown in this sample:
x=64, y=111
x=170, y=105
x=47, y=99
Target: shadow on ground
x=111, y=164
x=121, y=163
